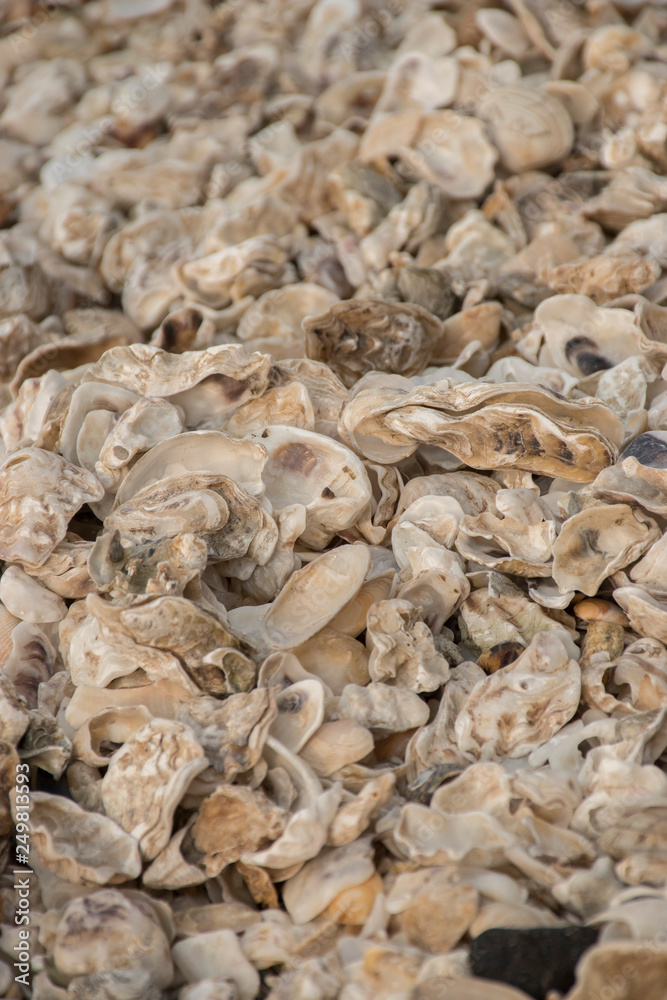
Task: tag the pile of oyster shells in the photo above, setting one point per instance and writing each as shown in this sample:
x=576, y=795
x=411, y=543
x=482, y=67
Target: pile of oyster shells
x=333, y=492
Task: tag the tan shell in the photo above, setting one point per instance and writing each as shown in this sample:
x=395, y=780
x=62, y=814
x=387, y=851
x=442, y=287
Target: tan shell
x=330, y=581
x=146, y=779
x=234, y=821
x=357, y=337
x=27, y=599
x=530, y=128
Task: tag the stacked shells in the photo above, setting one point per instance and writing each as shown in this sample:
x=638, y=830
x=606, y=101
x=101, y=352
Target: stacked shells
x=333, y=494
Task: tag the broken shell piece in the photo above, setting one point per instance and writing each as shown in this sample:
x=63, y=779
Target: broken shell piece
x=108, y=930
x=41, y=493
x=80, y=846
x=27, y=599
x=330, y=581
x=320, y=881
x=354, y=817
x=274, y=320
x=336, y=744
x=542, y=689
x=596, y=542
x=401, y=647
x=234, y=821
x=445, y=148
x=357, y=337
x=382, y=707
x=436, y=908
x=146, y=779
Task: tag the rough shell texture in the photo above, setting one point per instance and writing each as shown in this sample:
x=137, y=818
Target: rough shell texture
x=333, y=495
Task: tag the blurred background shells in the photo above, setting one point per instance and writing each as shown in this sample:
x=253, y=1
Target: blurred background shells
x=333, y=497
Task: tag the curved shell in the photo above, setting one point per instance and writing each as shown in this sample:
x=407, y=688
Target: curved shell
x=596, y=542
x=197, y=451
x=357, y=337
x=530, y=128
x=39, y=494
x=523, y=705
x=445, y=148
x=80, y=846
x=329, y=582
x=323, y=475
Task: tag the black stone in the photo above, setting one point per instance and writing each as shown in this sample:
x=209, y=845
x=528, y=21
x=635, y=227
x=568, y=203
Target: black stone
x=535, y=960
x=648, y=449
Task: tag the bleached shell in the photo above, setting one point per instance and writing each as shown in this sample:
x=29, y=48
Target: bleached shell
x=323, y=475
x=584, y=338
x=445, y=148
x=14, y=717
x=233, y=731
x=108, y=401
x=530, y=128
x=402, y=649
x=382, y=707
x=81, y=846
x=304, y=836
x=518, y=708
x=431, y=838
x=217, y=955
x=319, y=882
x=197, y=451
x=231, y=522
x=30, y=662
x=289, y=404
x=251, y=267
x=354, y=817
x=41, y=492
x=647, y=614
x=330, y=581
x=639, y=475
x=139, y=428
x=357, y=337
x=27, y=599
x=277, y=316
x=596, y=542
x=65, y=572
x=106, y=929
x=504, y=30
x=110, y=726
x=146, y=779
x=416, y=80
x=230, y=376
